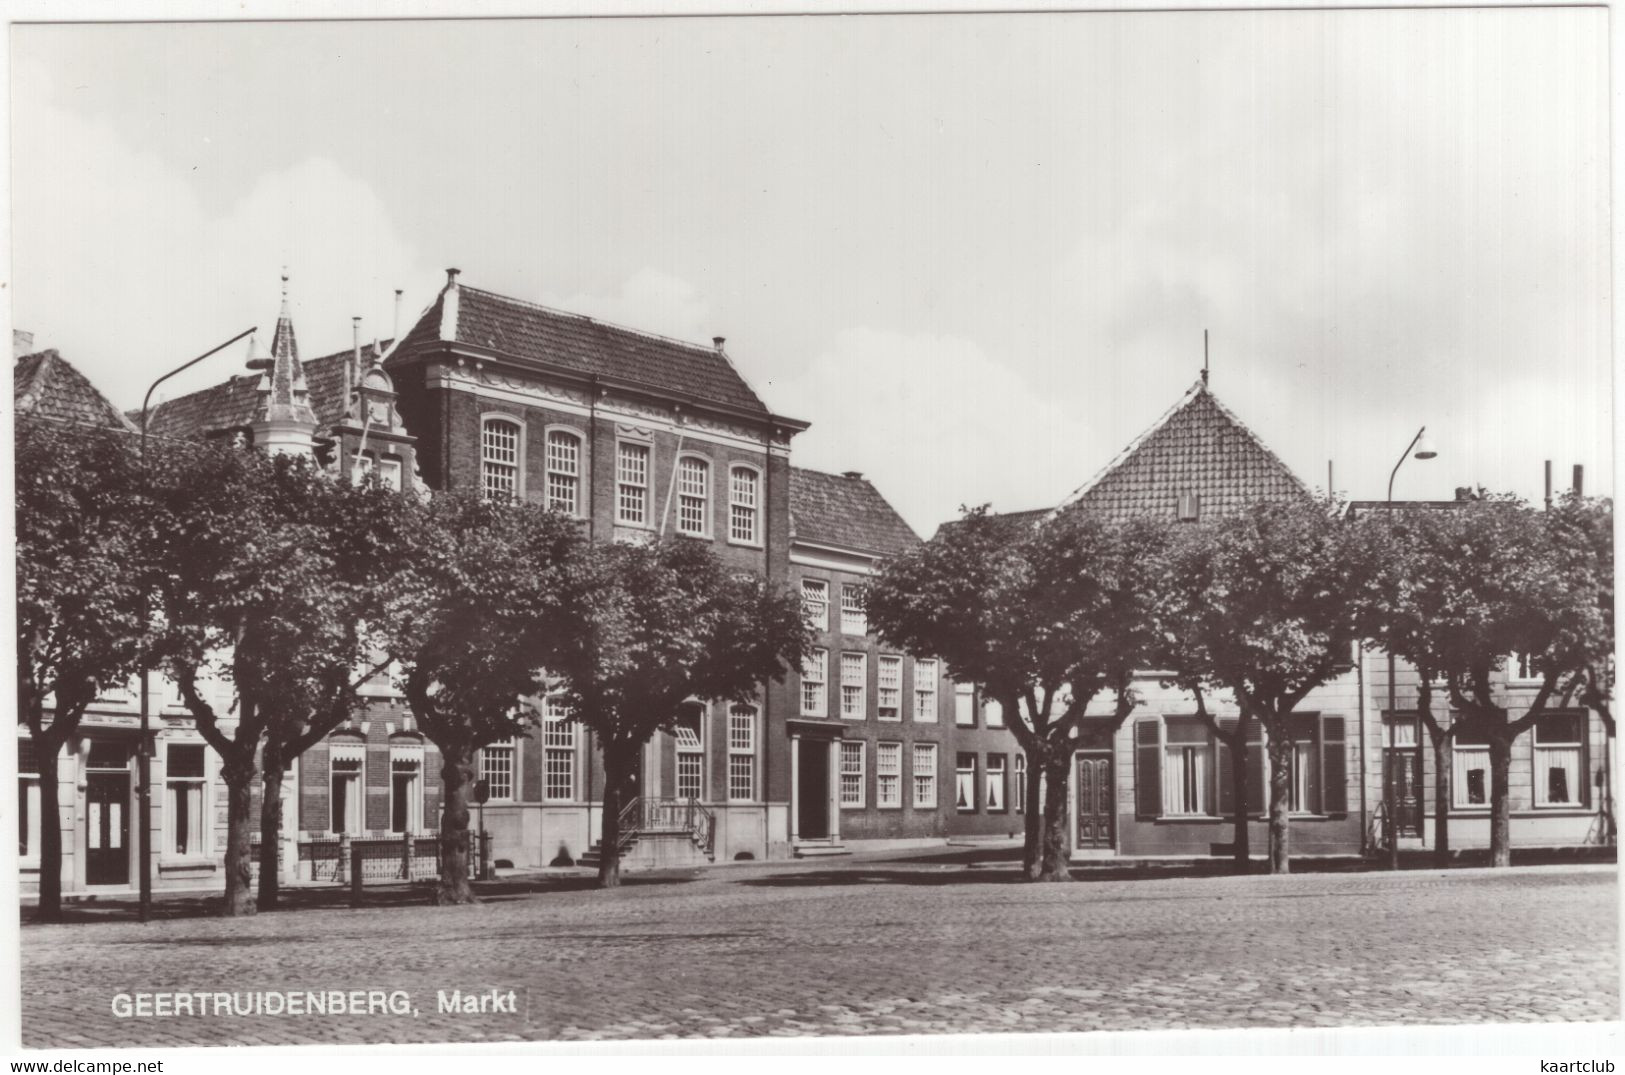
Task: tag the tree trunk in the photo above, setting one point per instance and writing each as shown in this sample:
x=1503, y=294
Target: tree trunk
x=1055, y=861
x=1280, y=748
x=609, y=844
x=456, y=775
x=239, y=777
x=1441, y=797
x=1500, y=800
x=1032, y=852
x=1241, y=849
x=47, y=748
x=273, y=770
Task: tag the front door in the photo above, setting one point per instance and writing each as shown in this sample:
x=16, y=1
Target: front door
x=812, y=790
x=1404, y=768
x=1094, y=801
x=107, y=829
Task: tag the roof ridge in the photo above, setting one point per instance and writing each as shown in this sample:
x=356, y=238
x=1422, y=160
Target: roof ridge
x=1256, y=439
x=700, y=347
x=1191, y=393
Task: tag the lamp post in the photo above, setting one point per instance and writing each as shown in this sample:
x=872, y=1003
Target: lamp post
x=1421, y=448
x=144, y=754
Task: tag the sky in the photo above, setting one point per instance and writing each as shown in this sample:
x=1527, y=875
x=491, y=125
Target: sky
x=977, y=252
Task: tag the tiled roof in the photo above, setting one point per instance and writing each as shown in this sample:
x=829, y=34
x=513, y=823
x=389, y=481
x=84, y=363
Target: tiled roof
x=1031, y=517
x=1197, y=447
x=46, y=385
x=237, y=402
x=832, y=509
x=583, y=345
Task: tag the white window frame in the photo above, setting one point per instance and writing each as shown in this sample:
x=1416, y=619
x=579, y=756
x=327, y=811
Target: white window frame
x=407, y=761
x=172, y=786
x=1464, y=758
x=507, y=750
x=924, y=708
x=964, y=705
x=816, y=607
x=630, y=484
x=1019, y=784
x=853, y=774
x=28, y=800
x=989, y=771
x=965, y=779
x=741, y=752
x=688, y=500
x=1518, y=675
x=854, y=619
x=355, y=801
x=923, y=784
x=744, y=505
x=1187, y=784
x=563, y=468
x=854, y=686
x=560, y=746
x=1578, y=787
x=992, y=713
x=888, y=775
x=491, y=456
x=889, y=687
x=815, y=683
x=691, y=751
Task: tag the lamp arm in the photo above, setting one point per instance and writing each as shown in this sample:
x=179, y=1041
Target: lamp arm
x=1402, y=457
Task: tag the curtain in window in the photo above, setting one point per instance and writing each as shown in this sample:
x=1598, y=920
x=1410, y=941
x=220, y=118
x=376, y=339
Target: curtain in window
x=1184, y=783
x=1557, y=775
x=1469, y=776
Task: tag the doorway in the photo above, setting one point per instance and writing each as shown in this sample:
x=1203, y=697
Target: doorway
x=812, y=789
x=1094, y=802
x=107, y=828
x=1403, y=766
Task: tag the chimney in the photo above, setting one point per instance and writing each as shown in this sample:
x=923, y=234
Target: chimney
x=1548, y=483
x=352, y=370
x=717, y=342
x=855, y=475
x=22, y=343
x=451, y=277
x=396, y=334
x=1579, y=479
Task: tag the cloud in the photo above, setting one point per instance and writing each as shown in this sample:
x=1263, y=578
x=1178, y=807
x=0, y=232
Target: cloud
x=120, y=266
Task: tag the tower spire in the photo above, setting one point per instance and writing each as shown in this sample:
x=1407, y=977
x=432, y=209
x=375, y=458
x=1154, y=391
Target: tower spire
x=286, y=420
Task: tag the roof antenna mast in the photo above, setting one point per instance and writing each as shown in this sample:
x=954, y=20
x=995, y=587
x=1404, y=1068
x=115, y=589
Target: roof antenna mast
x=1204, y=356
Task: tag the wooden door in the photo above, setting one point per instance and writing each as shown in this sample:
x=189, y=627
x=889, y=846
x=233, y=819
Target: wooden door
x=107, y=829
x=1094, y=802
x=812, y=790
x=1404, y=767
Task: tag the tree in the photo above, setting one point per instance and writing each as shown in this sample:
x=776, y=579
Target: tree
x=1043, y=618
x=1469, y=586
x=1262, y=609
x=80, y=624
x=485, y=617
x=651, y=627
x=246, y=555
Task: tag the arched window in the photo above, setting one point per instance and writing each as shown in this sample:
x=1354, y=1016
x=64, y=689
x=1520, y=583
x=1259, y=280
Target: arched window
x=499, y=458
x=742, y=505
x=564, y=471
x=693, y=495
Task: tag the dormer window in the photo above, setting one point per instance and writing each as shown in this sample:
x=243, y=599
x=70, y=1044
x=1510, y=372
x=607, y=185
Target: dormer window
x=1190, y=507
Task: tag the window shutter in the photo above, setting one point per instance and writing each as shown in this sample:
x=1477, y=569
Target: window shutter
x=1334, y=766
x=1256, y=778
x=1147, y=769
x=1227, y=778
x=1586, y=778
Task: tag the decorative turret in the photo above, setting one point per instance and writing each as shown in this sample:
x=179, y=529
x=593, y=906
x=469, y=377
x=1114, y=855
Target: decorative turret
x=285, y=421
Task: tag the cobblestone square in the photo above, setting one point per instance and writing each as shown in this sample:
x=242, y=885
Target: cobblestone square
x=867, y=946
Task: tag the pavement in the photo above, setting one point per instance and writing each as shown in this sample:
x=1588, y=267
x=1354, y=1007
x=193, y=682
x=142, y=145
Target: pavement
x=951, y=942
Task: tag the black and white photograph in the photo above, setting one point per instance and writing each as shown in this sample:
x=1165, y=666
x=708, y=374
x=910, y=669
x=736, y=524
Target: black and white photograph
x=780, y=529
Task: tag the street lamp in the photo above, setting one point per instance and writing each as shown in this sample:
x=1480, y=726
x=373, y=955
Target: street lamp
x=144, y=754
x=1420, y=447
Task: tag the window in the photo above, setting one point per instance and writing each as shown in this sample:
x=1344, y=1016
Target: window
x=854, y=677
x=559, y=754
x=690, y=755
x=632, y=484
x=499, y=458
x=346, y=793
x=925, y=776
x=851, y=773
x=814, y=676
x=815, y=599
x=1521, y=669
x=741, y=753
x=406, y=792
x=28, y=819
x=965, y=704
x=389, y=472
x=888, y=775
x=497, y=769
x=995, y=783
x=1470, y=768
x=1021, y=783
x=564, y=471
x=1186, y=776
x=854, y=621
x=891, y=687
x=1560, y=766
x=992, y=713
x=184, y=791
x=965, y=783
x=925, y=691
x=742, y=485
x=693, y=494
